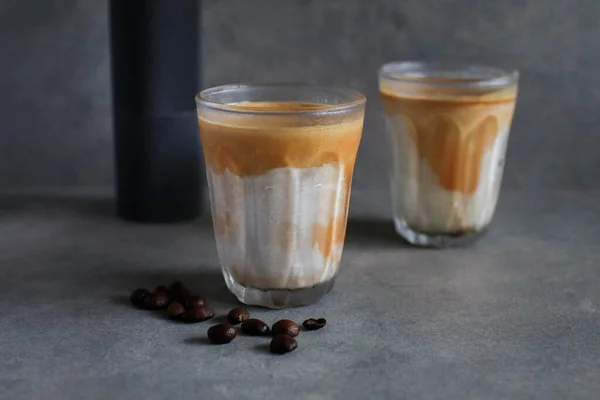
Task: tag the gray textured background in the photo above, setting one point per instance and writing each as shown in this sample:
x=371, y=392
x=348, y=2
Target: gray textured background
x=55, y=97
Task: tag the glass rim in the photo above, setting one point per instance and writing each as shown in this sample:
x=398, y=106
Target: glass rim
x=327, y=109
x=400, y=71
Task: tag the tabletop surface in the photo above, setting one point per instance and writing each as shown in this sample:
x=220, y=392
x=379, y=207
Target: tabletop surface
x=517, y=315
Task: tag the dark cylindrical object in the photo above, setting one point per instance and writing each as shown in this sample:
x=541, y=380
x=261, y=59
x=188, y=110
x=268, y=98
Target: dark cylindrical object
x=155, y=54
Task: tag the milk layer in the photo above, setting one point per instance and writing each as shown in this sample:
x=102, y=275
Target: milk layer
x=424, y=204
x=283, y=229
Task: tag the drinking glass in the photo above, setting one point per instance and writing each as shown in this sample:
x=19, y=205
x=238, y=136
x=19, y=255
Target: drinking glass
x=448, y=126
x=279, y=161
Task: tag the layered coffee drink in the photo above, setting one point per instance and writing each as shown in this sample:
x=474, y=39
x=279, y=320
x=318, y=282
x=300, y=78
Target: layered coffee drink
x=279, y=170
x=448, y=130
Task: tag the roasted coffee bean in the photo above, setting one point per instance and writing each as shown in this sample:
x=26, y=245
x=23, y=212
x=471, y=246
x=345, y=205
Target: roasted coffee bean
x=180, y=297
x=255, y=327
x=221, y=333
x=191, y=301
x=238, y=315
x=282, y=344
x=198, y=314
x=161, y=288
x=138, y=296
x=178, y=292
x=156, y=301
x=175, y=310
x=313, y=324
x=285, y=327
x=176, y=286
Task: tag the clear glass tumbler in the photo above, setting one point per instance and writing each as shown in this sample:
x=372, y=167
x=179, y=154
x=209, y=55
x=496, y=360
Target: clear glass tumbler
x=279, y=161
x=448, y=127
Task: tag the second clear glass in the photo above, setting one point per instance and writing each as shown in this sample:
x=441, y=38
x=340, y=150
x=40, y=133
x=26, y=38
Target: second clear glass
x=448, y=127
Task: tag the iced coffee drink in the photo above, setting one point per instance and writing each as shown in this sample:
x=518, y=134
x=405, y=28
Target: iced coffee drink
x=448, y=128
x=279, y=161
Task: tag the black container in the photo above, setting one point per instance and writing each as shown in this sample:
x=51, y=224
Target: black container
x=155, y=56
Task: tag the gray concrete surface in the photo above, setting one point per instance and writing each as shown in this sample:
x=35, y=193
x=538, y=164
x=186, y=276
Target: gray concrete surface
x=517, y=316
x=54, y=77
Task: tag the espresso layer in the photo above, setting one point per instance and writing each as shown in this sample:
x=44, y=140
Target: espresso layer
x=451, y=130
x=251, y=145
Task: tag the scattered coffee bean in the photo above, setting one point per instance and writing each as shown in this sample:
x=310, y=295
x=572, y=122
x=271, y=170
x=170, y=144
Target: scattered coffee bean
x=285, y=327
x=313, y=324
x=138, y=296
x=178, y=292
x=176, y=286
x=175, y=310
x=192, y=301
x=255, y=327
x=156, y=301
x=282, y=344
x=198, y=314
x=221, y=333
x=238, y=315
x=161, y=288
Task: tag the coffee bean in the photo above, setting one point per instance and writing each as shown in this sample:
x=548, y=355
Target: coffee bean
x=175, y=310
x=179, y=298
x=313, y=324
x=161, y=288
x=178, y=292
x=238, y=315
x=191, y=301
x=255, y=327
x=156, y=301
x=137, y=297
x=176, y=286
x=221, y=333
x=282, y=344
x=198, y=314
x=285, y=327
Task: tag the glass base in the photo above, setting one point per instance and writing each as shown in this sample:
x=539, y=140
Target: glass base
x=277, y=298
x=436, y=240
